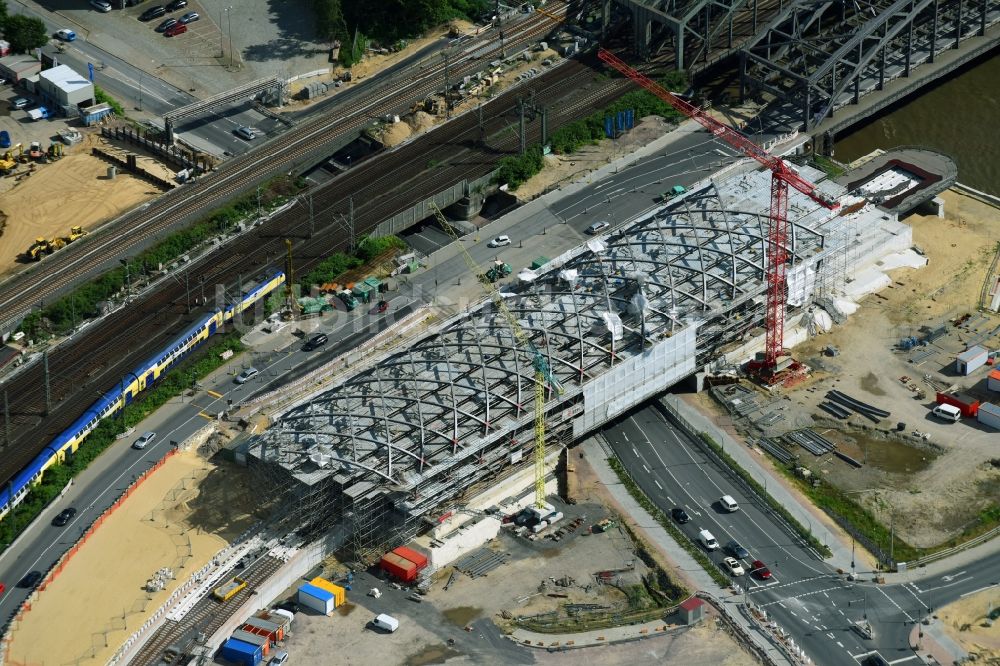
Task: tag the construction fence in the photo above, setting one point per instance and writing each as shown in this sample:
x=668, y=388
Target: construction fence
x=61, y=563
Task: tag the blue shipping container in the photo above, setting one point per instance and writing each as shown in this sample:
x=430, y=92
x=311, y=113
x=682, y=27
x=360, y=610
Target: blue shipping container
x=241, y=653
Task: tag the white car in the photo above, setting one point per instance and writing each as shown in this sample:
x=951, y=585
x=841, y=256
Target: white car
x=246, y=133
x=597, y=227
x=246, y=375
x=101, y=5
x=499, y=241
x=733, y=566
x=65, y=35
x=143, y=441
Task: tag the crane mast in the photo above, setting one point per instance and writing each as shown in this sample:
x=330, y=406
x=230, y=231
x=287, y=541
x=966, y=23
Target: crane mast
x=782, y=176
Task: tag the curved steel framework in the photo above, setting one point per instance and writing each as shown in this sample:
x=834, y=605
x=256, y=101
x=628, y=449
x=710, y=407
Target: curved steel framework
x=425, y=423
x=821, y=56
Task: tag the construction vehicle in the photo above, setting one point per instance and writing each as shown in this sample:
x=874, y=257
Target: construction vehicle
x=229, y=589
x=674, y=191
x=544, y=377
x=38, y=249
x=42, y=246
x=498, y=271
x=767, y=367
x=55, y=151
x=11, y=158
x=35, y=150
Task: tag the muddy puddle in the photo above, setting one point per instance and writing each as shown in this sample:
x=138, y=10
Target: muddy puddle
x=432, y=654
x=462, y=615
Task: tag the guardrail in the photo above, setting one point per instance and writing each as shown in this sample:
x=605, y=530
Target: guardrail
x=948, y=552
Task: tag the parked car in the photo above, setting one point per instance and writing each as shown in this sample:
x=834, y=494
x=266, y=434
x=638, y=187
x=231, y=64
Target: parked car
x=736, y=550
x=598, y=227
x=174, y=5
x=246, y=133
x=315, y=342
x=4, y=139
x=166, y=24
x=499, y=241
x=66, y=35
x=382, y=306
x=101, y=5
x=190, y=17
x=153, y=13
x=760, y=570
x=176, y=29
x=290, y=605
x=246, y=375
x=144, y=441
x=30, y=579
x=20, y=103
x=279, y=658
x=680, y=515
x=733, y=566
x=64, y=517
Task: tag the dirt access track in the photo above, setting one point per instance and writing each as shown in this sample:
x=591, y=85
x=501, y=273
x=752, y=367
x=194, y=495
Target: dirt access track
x=71, y=191
x=178, y=518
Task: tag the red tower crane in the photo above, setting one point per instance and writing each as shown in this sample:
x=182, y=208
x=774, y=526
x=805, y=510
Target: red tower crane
x=782, y=176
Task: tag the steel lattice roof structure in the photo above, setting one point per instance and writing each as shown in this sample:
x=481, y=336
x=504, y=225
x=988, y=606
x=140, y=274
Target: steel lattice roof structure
x=619, y=319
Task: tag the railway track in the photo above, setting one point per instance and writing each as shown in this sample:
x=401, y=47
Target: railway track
x=184, y=205
x=98, y=359
x=205, y=617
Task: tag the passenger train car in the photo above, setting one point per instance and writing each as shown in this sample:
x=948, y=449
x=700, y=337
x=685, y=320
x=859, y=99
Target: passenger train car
x=139, y=379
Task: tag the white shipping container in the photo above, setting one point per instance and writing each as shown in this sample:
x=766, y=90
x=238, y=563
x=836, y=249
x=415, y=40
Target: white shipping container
x=324, y=606
x=989, y=414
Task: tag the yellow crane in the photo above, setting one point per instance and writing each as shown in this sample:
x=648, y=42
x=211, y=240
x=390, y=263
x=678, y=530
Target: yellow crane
x=543, y=374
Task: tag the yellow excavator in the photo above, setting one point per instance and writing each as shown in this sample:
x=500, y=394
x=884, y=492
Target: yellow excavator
x=11, y=158
x=42, y=246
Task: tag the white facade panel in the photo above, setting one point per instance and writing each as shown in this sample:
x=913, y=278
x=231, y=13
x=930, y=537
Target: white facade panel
x=636, y=379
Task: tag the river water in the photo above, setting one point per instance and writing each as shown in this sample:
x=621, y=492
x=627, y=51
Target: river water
x=959, y=117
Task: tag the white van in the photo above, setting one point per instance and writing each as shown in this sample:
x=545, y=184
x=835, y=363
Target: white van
x=707, y=540
x=728, y=503
x=386, y=623
x=947, y=412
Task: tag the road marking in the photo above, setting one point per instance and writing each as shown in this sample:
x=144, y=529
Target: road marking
x=841, y=612
x=635, y=452
x=204, y=415
x=792, y=612
x=657, y=484
x=214, y=394
x=839, y=644
x=826, y=595
x=671, y=499
x=977, y=591
x=830, y=635
x=625, y=437
x=782, y=605
x=949, y=578
x=645, y=468
x=901, y=660
x=893, y=601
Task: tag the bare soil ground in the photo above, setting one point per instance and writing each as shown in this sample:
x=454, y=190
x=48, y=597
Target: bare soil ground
x=966, y=622
x=72, y=191
x=182, y=515
x=933, y=490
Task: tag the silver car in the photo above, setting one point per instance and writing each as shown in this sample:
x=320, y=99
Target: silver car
x=246, y=375
x=144, y=440
x=597, y=227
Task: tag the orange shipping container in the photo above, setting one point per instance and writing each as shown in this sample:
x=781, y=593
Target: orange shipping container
x=412, y=555
x=400, y=567
x=339, y=593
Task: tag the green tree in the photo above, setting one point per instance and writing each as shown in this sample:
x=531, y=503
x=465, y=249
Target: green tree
x=330, y=24
x=24, y=32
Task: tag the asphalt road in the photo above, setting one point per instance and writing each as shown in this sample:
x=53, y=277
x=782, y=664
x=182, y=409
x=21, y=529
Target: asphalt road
x=805, y=596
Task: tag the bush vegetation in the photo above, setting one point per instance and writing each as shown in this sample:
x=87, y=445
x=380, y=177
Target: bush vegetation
x=102, y=97
x=181, y=378
x=331, y=268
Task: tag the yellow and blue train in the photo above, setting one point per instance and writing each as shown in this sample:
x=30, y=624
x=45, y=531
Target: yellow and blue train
x=142, y=377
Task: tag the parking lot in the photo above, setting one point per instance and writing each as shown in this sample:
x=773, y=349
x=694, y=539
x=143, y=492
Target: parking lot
x=265, y=41
x=19, y=125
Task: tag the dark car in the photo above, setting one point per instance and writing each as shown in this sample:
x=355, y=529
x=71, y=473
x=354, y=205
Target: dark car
x=383, y=306
x=680, y=515
x=190, y=17
x=30, y=579
x=169, y=23
x=64, y=517
x=153, y=13
x=760, y=570
x=175, y=29
x=315, y=342
x=736, y=550
x=174, y=5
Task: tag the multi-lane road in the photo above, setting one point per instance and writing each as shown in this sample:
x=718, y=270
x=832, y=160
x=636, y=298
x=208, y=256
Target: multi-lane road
x=805, y=595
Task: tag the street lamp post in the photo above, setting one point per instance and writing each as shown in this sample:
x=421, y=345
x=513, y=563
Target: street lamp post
x=229, y=20
x=140, y=90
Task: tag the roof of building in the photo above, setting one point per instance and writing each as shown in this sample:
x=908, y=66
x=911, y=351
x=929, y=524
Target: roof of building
x=990, y=408
x=692, y=603
x=65, y=78
x=972, y=353
x=20, y=63
x=317, y=592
